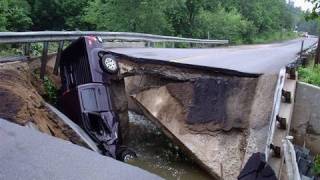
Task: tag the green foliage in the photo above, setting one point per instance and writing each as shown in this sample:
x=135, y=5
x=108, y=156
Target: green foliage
x=3, y=17
x=145, y=16
x=244, y=21
x=18, y=15
x=227, y=25
x=51, y=91
x=314, y=14
x=58, y=14
x=183, y=15
x=316, y=168
x=311, y=26
x=274, y=36
x=8, y=50
x=14, y=15
x=310, y=74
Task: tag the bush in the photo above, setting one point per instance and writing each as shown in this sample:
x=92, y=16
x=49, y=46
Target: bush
x=310, y=75
x=316, y=167
x=51, y=91
x=227, y=25
x=274, y=36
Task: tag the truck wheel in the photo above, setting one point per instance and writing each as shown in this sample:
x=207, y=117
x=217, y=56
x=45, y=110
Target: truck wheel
x=124, y=154
x=109, y=64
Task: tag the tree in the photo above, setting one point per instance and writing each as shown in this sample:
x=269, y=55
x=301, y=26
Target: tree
x=14, y=15
x=183, y=15
x=227, y=25
x=315, y=10
x=58, y=14
x=237, y=20
x=3, y=17
x=266, y=15
x=128, y=15
x=315, y=15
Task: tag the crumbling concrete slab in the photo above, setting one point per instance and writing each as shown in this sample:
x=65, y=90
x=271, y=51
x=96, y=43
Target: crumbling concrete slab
x=218, y=118
x=220, y=142
x=217, y=103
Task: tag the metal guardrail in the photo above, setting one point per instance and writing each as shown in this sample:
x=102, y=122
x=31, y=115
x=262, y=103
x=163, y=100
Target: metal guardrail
x=275, y=111
x=277, y=99
x=45, y=37
x=290, y=159
x=41, y=36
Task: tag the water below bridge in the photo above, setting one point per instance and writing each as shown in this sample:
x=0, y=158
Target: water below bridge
x=157, y=154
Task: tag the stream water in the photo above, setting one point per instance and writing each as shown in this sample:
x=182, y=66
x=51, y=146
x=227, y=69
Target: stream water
x=157, y=154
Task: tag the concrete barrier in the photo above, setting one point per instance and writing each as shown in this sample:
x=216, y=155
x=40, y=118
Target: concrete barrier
x=306, y=117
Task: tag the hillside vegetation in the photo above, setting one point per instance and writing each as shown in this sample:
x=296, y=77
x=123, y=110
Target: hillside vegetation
x=240, y=21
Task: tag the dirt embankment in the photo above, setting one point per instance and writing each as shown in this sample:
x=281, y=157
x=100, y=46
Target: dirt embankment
x=22, y=104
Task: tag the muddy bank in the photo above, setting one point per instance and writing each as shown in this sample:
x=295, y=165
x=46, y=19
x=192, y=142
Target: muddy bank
x=22, y=104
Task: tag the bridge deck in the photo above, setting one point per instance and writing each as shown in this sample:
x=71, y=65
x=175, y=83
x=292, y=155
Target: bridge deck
x=250, y=59
x=27, y=154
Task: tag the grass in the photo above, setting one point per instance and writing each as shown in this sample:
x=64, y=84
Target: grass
x=46, y=87
x=310, y=74
x=51, y=91
x=274, y=37
x=36, y=49
x=316, y=167
x=8, y=50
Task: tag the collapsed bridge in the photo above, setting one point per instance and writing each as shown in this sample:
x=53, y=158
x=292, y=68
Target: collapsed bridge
x=217, y=104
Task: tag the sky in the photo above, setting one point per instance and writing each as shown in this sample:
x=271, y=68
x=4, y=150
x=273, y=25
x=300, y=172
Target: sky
x=303, y=4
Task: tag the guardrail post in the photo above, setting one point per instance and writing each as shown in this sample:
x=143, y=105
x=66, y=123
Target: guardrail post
x=148, y=44
x=27, y=49
x=57, y=63
x=44, y=59
x=317, y=57
x=301, y=51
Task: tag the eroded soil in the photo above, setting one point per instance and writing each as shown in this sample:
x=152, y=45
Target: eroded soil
x=22, y=104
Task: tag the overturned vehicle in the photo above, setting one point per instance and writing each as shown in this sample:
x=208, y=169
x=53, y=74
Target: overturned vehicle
x=86, y=71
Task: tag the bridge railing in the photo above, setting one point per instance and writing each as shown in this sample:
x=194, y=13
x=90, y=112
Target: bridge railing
x=41, y=36
x=26, y=38
x=290, y=159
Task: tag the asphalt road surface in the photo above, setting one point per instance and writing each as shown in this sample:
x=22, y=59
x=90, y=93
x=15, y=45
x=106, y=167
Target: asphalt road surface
x=27, y=154
x=252, y=59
